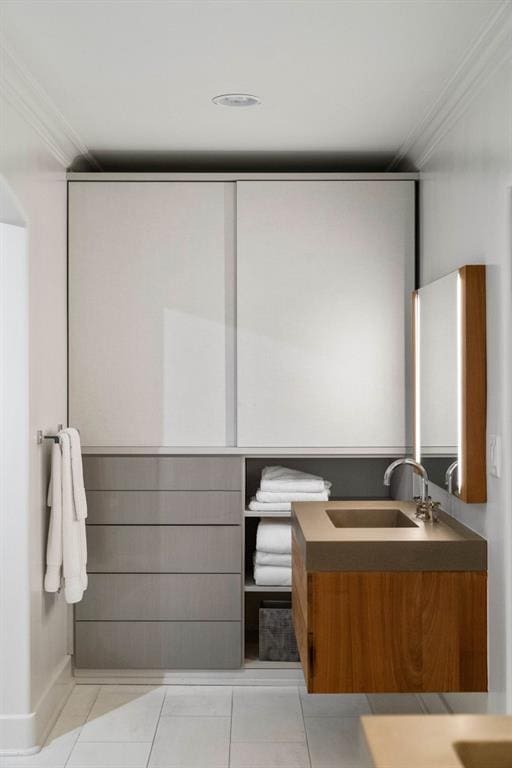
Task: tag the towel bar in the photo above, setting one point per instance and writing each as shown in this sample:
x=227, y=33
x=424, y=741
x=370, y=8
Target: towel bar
x=40, y=436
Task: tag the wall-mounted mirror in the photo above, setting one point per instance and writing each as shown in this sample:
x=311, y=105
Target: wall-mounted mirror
x=450, y=382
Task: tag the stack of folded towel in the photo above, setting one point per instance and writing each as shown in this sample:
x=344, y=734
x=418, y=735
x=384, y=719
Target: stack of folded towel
x=279, y=487
x=273, y=556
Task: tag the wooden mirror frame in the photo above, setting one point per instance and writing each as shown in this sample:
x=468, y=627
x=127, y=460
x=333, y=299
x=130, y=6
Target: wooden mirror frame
x=472, y=383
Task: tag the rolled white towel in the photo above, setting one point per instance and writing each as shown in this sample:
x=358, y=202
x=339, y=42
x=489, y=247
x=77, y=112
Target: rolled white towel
x=274, y=536
x=265, y=506
x=277, y=497
x=271, y=558
x=282, y=479
x=272, y=576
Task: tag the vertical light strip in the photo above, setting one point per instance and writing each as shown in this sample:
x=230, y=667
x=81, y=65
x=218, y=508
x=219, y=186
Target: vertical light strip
x=417, y=372
x=459, y=384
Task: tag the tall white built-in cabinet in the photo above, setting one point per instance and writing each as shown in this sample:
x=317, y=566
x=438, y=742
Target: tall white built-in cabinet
x=244, y=317
x=260, y=313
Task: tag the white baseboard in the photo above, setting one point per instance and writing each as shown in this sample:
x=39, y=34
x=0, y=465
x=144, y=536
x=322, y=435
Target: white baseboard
x=282, y=676
x=25, y=734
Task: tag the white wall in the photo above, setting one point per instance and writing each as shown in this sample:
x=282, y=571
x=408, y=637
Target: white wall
x=37, y=182
x=466, y=204
x=14, y=470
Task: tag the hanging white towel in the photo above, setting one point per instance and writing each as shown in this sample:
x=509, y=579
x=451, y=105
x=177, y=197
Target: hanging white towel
x=67, y=546
x=77, y=474
x=52, y=579
x=282, y=479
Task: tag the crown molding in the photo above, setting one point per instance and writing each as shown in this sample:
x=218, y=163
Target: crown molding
x=491, y=49
x=22, y=91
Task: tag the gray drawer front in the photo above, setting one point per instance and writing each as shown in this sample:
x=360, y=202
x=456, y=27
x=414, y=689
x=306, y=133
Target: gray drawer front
x=161, y=597
x=162, y=473
x=164, y=507
x=164, y=549
x=157, y=645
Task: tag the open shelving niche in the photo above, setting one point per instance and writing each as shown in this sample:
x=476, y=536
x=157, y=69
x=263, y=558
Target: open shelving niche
x=351, y=477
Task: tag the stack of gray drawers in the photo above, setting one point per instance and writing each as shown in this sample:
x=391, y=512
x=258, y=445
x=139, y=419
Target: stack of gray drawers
x=165, y=556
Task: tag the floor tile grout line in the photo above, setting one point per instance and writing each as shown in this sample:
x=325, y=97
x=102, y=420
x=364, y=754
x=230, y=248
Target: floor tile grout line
x=230, y=729
x=304, y=726
x=85, y=721
x=156, y=727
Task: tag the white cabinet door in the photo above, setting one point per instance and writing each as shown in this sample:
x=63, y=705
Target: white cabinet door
x=151, y=306
x=324, y=271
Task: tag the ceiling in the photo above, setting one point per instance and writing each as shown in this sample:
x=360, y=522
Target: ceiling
x=340, y=82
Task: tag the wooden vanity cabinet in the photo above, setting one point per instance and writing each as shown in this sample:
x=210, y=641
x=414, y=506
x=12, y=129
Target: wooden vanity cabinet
x=384, y=632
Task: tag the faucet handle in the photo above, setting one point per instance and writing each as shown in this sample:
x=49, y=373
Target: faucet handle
x=435, y=506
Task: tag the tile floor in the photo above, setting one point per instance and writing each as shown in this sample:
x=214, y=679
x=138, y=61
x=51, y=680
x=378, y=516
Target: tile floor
x=136, y=726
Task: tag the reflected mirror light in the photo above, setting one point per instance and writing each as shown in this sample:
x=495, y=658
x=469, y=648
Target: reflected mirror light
x=437, y=415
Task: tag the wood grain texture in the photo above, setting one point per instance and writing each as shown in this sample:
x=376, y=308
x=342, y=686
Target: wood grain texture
x=454, y=630
x=384, y=632
x=164, y=508
x=474, y=384
x=300, y=606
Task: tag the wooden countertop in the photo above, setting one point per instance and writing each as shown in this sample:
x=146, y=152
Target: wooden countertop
x=427, y=741
x=444, y=546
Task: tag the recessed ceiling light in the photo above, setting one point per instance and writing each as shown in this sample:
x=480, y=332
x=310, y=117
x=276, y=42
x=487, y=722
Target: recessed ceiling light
x=236, y=100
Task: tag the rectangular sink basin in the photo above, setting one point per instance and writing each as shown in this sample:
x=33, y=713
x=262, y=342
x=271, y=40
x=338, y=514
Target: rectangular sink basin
x=484, y=754
x=369, y=518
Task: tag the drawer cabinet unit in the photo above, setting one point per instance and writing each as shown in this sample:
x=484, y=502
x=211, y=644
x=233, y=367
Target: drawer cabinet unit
x=164, y=561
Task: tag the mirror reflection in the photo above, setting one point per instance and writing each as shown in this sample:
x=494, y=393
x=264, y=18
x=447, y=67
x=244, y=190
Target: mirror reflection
x=437, y=364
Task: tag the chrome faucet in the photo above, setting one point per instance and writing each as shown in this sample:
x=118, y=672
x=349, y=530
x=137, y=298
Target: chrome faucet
x=448, y=477
x=425, y=507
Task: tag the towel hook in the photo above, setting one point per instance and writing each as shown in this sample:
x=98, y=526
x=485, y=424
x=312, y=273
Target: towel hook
x=40, y=436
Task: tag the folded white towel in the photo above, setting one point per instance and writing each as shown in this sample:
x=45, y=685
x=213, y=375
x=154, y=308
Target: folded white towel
x=284, y=479
x=77, y=475
x=67, y=547
x=265, y=506
x=274, y=536
x=271, y=558
x=280, y=496
x=272, y=576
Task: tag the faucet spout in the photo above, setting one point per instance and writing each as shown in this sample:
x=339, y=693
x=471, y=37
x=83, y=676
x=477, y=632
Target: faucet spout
x=448, y=478
x=418, y=468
